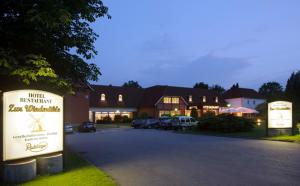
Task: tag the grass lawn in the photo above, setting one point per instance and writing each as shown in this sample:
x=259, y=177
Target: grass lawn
x=259, y=132
x=295, y=138
x=77, y=172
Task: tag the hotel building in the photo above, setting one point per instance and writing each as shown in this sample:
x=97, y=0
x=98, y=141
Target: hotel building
x=156, y=101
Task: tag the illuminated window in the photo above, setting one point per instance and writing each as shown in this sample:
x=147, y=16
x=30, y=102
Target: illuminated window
x=175, y=100
x=102, y=97
x=217, y=99
x=167, y=100
x=120, y=97
x=190, y=98
x=204, y=99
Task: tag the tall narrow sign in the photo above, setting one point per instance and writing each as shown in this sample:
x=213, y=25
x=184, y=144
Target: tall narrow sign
x=32, y=123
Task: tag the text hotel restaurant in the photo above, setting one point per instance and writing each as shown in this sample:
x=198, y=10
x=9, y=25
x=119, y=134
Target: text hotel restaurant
x=156, y=101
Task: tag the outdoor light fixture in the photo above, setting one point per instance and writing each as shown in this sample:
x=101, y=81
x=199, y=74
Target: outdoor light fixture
x=228, y=105
x=258, y=121
x=176, y=109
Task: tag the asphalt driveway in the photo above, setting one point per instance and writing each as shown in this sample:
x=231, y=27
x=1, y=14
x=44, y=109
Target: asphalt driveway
x=138, y=157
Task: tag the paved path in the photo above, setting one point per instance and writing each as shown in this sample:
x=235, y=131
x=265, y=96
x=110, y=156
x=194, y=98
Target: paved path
x=138, y=157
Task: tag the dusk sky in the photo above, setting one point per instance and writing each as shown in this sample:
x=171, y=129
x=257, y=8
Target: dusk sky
x=172, y=42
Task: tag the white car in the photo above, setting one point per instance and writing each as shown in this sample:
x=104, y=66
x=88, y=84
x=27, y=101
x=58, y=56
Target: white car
x=182, y=122
x=68, y=128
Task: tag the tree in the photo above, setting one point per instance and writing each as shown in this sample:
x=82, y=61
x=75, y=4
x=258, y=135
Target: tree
x=201, y=85
x=217, y=88
x=235, y=86
x=194, y=113
x=272, y=91
x=133, y=84
x=47, y=43
x=292, y=92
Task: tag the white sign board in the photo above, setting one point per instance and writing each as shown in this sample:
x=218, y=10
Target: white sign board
x=280, y=114
x=32, y=123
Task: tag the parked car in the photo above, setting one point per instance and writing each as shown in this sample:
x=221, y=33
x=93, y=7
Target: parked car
x=183, y=122
x=138, y=123
x=87, y=127
x=151, y=123
x=165, y=123
x=68, y=128
x=145, y=123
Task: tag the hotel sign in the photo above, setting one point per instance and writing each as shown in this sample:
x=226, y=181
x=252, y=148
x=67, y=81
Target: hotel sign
x=280, y=114
x=32, y=123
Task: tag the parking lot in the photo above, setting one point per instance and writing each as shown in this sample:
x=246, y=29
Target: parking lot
x=136, y=157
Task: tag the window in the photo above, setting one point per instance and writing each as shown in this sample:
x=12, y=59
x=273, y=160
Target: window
x=253, y=102
x=120, y=98
x=102, y=97
x=190, y=98
x=167, y=100
x=204, y=99
x=216, y=99
x=175, y=100
x=248, y=102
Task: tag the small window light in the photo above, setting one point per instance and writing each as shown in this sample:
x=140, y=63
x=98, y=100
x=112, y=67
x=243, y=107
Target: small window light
x=204, y=99
x=190, y=98
x=217, y=99
x=120, y=97
x=102, y=97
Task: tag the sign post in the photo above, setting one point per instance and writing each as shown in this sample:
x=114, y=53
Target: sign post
x=280, y=118
x=32, y=130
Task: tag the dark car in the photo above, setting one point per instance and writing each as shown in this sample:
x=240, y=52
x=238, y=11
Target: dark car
x=151, y=123
x=87, y=127
x=138, y=123
x=145, y=123
x=165, y=123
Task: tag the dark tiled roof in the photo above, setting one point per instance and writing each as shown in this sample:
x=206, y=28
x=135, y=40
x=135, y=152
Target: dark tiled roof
x=242, y=93
x=139, y=97
x=153, y=94
x=131, y=96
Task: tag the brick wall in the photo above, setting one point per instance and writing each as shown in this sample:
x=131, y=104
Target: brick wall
x=76, y=107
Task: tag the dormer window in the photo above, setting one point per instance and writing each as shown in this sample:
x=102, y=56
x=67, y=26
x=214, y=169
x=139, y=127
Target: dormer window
x=120, y=98
x=216, y=99
x=190, y=98
x=204, y=99
x=102, y=97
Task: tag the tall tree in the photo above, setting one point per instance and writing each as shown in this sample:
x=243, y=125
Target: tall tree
x=132, y=83
x=201, y=85
x=292, y=92
x=235, y=86
x=217, y=88
x=271, y=90
x=47, y=43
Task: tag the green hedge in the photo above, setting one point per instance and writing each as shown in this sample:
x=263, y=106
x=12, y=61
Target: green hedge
x=226, y=123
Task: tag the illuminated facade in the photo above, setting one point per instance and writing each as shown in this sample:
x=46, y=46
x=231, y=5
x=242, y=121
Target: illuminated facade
x=107, y=102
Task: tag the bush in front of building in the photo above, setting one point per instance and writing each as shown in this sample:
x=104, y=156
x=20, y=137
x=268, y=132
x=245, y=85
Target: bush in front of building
x=106, y=119
x=226, y=123
x=126, y=119
x=118, y=119
x=143, y=115
x=194, y=113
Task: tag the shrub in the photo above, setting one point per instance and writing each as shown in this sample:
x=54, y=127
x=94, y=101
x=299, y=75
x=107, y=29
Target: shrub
x=126, y=119
x=106, y=119
x=194, y=113
x=226, y=123
x=143, y=115
x=118, y=119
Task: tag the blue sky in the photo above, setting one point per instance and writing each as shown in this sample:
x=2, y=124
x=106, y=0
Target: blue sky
x=172, y=42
